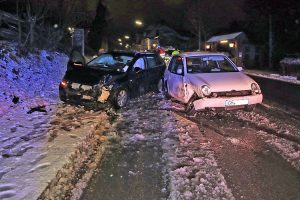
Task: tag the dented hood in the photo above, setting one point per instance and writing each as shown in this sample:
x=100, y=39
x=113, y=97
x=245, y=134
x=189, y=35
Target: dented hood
x=219, y=82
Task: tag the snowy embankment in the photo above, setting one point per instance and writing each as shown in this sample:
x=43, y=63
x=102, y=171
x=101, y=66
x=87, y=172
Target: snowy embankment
x=290, y=79
x=31, y=80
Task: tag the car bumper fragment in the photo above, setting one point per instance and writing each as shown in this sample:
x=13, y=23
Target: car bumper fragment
x=207, y=103
x=105, y=93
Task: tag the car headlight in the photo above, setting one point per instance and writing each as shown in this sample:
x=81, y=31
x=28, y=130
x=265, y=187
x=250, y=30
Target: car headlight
x=255, y=88
x=205, y=90
x=64, y=83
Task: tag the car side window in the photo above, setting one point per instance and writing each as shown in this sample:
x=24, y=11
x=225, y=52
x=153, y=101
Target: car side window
x=151, y=63
x=176, y=65
x=159, y=61
x=171, y=64
x=140, y=63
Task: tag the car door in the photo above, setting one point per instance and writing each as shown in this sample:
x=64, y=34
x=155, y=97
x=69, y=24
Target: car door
x=175, y=78
x=155, y=68
x=138, y=77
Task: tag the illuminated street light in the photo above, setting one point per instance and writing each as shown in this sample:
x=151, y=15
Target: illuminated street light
x=126, y=37
x=138, y=22
x=223, y=41
x=71, y=29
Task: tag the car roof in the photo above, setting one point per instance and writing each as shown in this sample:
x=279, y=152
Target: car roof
x=200, y=53
x=130, y=53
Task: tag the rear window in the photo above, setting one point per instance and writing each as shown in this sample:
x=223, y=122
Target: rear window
x=209, y=64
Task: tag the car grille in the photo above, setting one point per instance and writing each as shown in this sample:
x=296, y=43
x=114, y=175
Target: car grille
x=85, y=90
x=232, y=93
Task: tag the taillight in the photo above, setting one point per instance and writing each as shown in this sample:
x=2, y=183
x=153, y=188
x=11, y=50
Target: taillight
x=63, y=84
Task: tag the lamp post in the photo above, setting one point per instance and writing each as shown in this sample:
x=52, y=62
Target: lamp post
x=138, y=23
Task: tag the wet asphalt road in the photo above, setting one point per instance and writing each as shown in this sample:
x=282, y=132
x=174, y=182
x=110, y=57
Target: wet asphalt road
x=251, y=167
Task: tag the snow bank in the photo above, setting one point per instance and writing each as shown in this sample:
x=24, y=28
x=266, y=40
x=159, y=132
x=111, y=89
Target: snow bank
x=290, y=79
x=30, y=80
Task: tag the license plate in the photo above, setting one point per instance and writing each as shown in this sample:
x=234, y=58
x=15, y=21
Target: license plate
x=75, y=86
x=85, y=97
x=236, y=102
x=86, y=87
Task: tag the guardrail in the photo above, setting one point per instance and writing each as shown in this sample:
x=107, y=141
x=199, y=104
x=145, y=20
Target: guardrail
x=279, y=91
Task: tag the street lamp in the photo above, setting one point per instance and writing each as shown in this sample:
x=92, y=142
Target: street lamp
x=138, y=22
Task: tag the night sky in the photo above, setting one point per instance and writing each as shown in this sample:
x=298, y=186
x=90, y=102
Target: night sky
x=122, y=13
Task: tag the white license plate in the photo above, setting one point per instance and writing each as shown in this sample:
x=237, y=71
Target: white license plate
x=75, y=86
x=86, y=87
x=236, y=102
x=85, y=97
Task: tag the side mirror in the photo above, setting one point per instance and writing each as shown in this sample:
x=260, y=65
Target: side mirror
x=78, y=64
x=137, y=70
x=77, y=60
x=240, y=69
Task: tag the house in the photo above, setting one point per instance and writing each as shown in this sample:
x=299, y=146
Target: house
x=164, y=36
x=238, y=48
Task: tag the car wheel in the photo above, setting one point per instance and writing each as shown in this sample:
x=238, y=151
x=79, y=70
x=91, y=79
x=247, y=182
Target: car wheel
x=160, y=87
x=121, y=98
x=166, y=91
x=190, y=108
x=250, y=108
x=141, y=90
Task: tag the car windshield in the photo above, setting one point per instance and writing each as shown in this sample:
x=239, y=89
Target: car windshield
x=209, y=64
x=111, y=61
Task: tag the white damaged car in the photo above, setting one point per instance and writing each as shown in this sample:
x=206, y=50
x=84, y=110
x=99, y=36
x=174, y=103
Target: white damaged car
x=204, y=81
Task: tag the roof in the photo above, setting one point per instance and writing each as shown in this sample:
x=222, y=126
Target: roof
x=163, y=30
x=129, y=53
x=199, y=53
x=231, y=36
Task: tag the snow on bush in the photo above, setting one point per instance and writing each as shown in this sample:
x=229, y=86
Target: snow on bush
x=30, y=80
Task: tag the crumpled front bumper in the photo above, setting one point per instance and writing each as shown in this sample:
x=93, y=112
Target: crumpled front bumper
x=92, y=96
x=219, y=102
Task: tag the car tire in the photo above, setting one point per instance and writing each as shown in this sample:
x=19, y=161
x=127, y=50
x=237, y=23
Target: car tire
x=120, y=98
x=141, y=90
x=160, y=87
x=190, y=108
x=250, y=108
x=166, y=91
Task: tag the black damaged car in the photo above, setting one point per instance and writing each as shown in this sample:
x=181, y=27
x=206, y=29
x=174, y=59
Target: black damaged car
x=112, y=78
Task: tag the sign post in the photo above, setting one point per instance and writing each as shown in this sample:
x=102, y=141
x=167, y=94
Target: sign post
x=78, y=40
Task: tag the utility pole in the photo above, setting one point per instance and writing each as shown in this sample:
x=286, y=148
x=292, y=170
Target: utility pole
x=199, y=37
x=19, y=29
x=270, y=42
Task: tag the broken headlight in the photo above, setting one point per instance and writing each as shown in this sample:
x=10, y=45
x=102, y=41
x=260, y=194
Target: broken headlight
x=205, y=90
x=255, y=88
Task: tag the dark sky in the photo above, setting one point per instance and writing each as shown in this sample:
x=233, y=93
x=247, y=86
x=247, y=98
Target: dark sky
x=173, y=12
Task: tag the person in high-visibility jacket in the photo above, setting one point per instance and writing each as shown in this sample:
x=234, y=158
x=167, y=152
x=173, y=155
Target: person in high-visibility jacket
x=175, y=52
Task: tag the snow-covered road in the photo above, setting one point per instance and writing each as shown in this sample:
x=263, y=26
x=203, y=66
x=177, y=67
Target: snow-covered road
x=225, y=155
